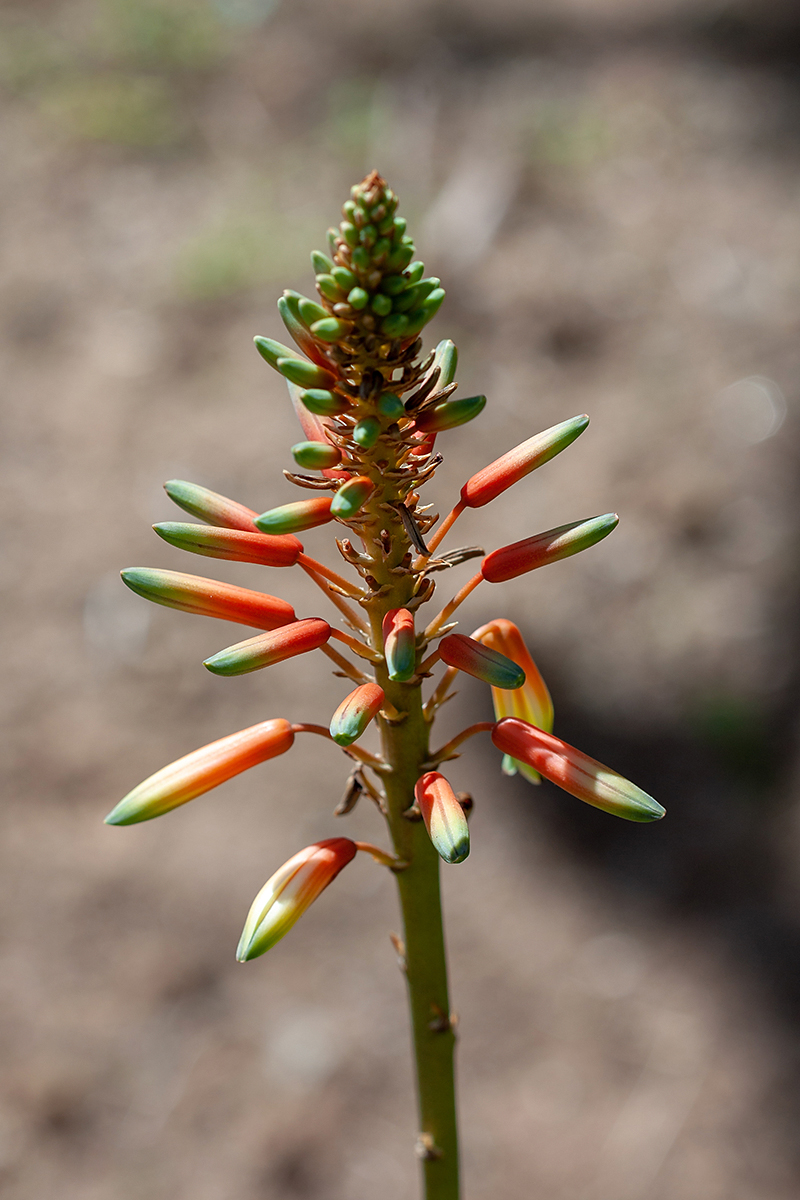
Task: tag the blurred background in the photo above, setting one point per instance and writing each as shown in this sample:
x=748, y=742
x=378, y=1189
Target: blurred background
x=609, y=191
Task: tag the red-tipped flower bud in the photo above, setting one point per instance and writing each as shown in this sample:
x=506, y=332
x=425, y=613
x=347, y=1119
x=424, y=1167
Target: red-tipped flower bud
x=531, y=702
x=297, y=516
x=350, y=497
x=355, y=713
x=399, y=644
x=547, y=547
x=202, y=770
x=233, y=544
x=209, y=597
x=520, y=461
x=574, y=771
x=481, y=661
x=269, y=648
x=289, y=892
x=210, y=506
x=445, y=819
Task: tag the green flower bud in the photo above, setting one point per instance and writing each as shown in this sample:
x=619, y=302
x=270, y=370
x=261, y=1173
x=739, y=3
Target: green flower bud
x=399, y=258
x=320, y=262
x=414, y=296
x=357, y=298
x=316, y=456
x=310, y=311
x=304, y=374
x=369, y=235
x=380, y=250
x=391, y=406
x=361, y=258
x=350, y=497
x=415, y=271
x=329, y=287
x=395, y=325
x=344, y=277
x=349, y=233
x=331, y=329
x=323, y=402
x=393, y=285
x=381, y=305
x=367, y=432
x=449, y=414
x=399, y=224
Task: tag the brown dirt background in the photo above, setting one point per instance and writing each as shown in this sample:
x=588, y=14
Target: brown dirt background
x=610, y=192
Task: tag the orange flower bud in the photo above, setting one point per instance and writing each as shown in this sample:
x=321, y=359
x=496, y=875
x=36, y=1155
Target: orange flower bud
x=399, y=644
x=519, y=462
x=444, y=817
x=202, y=770
x=547, y=547
x=209, y=597
x=210, y=506
x=482, y=661
x=289, y=892
x=233, y=544
x=575, y=772
x=355, y=713
x=270, y=648
x=296, y=516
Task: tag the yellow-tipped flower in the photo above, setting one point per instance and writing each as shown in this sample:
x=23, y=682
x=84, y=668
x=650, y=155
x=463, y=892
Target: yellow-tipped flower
x=445, y=819
x=531, y=702
x=202, y=770
x=289, y=892
x=575, y=772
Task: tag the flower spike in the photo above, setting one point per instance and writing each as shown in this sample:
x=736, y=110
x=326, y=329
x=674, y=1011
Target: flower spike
x=296, y=516
x=355, y=713
x=399, y=644
x=574, y=771
x=482, y=661
x=531, y=702
x=445, y=819
x=270, y=648
x=202, y=770
x=548, y=547
x=210, y=506
x=209, y=597
x=519, y=462
x=289, y=892
x=235, y=544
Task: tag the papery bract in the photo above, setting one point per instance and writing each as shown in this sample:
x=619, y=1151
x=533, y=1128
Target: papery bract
x=202, y=770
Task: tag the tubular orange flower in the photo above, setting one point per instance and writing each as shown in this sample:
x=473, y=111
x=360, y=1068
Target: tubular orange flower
x=519, y=462
x=355, y=713
x=209, y=597
x=270, y=648
x=399, y=644
x=547, y=547
x=445, y=819
x=202, y=770
x=236, y=544
x=289, y=892
x=296, y=516
x=485, y=663
x=210, y=506
x=575, y=772
x=531, y=702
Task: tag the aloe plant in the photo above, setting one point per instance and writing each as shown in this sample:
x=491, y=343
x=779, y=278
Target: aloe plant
x=372, y=408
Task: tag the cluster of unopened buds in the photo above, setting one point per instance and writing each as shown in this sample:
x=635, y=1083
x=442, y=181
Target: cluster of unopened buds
x=371, y=410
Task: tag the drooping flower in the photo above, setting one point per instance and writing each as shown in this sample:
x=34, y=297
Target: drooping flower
x=236, y=544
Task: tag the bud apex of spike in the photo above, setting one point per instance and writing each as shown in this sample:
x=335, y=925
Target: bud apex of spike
x=316, y=456
x=350, y=497
x=289, y=892
x=355, y=713
x=208, y=597
x=236, y=544
x=531, y=702
x=520, y=461
x=210, y=506
x=574, y=771
x=484, y=663
x=449, y=413
x=444, y=817
x=202, y=770
x=294, y=517
x=399, y=644
x=547, y=547
x=270, y=648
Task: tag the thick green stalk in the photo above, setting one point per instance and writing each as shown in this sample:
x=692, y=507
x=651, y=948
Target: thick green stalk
x=406, y=750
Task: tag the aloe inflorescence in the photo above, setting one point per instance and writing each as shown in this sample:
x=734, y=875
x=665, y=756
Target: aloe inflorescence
x=371, y=406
